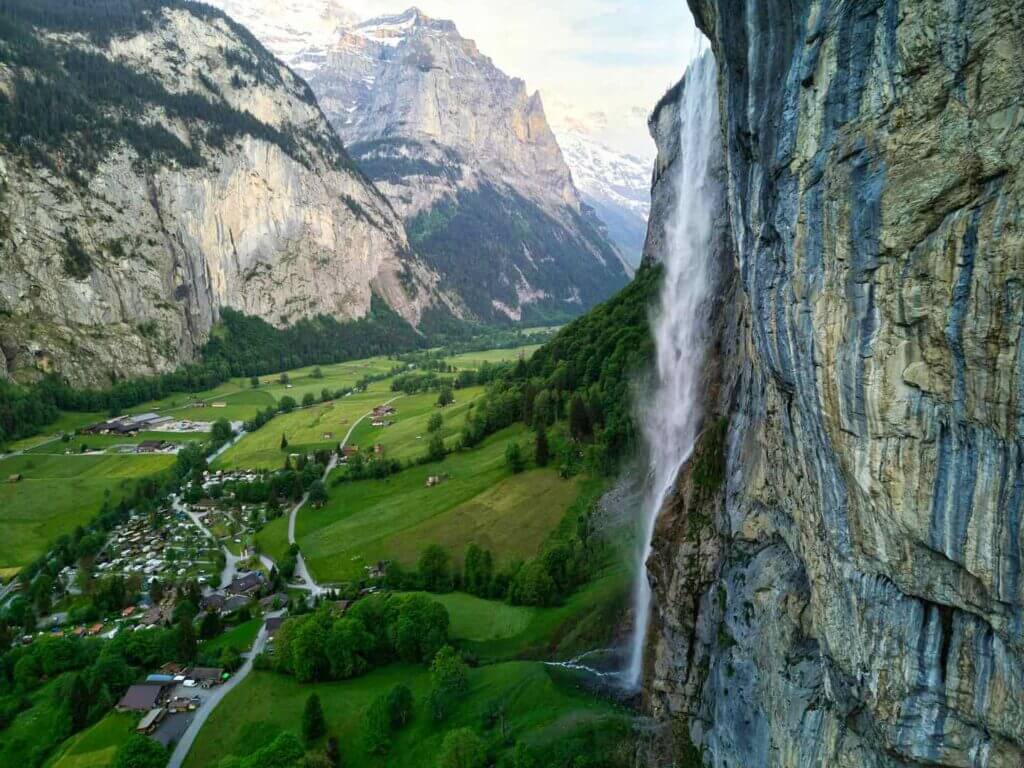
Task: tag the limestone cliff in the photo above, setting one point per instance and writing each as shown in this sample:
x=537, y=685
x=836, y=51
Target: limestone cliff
x=186, y=170
x=838, y=581
x=463, y=151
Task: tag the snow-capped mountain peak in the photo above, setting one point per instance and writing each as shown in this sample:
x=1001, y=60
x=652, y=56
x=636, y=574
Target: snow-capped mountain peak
x=616, y=185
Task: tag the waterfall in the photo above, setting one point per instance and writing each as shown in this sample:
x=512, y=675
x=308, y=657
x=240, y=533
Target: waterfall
x=671, y=415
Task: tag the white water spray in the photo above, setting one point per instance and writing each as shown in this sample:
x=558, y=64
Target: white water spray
x=671, y=417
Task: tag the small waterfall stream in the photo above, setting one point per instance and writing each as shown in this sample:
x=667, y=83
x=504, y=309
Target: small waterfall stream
x=671, y=415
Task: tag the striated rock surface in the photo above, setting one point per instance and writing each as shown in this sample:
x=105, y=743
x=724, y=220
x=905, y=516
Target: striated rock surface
x=463, y=151
x=847, y=590
x=253, y=206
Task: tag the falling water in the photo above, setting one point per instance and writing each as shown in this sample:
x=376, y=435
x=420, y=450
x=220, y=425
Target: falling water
x=671, y=416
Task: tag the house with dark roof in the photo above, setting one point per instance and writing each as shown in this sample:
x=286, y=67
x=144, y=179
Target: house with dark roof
x=142, y=697
x=209, y=675
x=235, y=603
x=273, y=624
x=247, y=584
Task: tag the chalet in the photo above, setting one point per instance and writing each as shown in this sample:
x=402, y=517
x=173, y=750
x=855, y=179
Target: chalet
x=274, y=601
x=207, y=675
x=219, y=404
x=378, y=450
x=142, y=697
x=274, y=624
x=150, y=721
x=152, y=446
x=213, y=602
x=16, y=478
x=235, y=603
x=328, y=436
x=247, y=584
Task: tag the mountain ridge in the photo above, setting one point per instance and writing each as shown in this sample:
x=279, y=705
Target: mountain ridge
x=161, y=164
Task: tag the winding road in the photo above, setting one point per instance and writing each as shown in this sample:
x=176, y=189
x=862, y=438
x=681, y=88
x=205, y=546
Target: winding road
x=308, y=582
x=181, y=749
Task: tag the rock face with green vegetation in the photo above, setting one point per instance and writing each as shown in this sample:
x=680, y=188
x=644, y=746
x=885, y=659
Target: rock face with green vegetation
x=463, y=151
x=838, y=580
x=158, y=164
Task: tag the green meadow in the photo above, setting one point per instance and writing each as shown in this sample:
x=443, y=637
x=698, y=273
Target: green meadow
x=58, y=493
x=479, y=501
x=407, y=437
x=473, y=360
x=95, y=747
x=542, y=706
x=306, y=429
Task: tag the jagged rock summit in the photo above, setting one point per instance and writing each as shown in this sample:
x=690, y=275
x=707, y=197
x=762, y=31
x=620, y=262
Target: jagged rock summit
x=463, y=152
x=160, y=164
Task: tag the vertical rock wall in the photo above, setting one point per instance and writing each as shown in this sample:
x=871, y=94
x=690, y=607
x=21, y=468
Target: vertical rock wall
x=850, y=593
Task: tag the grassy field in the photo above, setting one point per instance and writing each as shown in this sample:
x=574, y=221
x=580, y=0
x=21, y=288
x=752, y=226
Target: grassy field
x=541, y=706
x=58, y=493
x=305, y=429
x=396, y=518
x=96, y=746
x=473, y=360
x=37, y=728
x=585, y=621
x=478, y=620
x=240, y=637
x=407, y=438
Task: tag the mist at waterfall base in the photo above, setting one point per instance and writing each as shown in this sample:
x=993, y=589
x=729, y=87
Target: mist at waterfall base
x=671, y=414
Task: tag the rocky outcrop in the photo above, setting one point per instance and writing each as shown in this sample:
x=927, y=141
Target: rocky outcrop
x=116, y=264
x=850, y=592
x=463, y=152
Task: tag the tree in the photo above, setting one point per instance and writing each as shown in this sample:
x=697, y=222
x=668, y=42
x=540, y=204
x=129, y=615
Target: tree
x=543, y=409
x=514, y=458
x=435, y=448
x=185, y=641
x=462, y=748
x=449, y=679
x=377, y=727
x=435, y=422
x=283, y=378
x=286, y=404
x=317, y=493
x=400, y=705
x=445, y=398
x=317, y=373
x=478, y=571
x=313, y=724
x=541, y=450
x=254, y=381
x=284, y=443
x=435, y=569
x=210, y=626
x=308, y=400
x=140, y=752
x=222, y=431
x=77, y=698
x=579, y=419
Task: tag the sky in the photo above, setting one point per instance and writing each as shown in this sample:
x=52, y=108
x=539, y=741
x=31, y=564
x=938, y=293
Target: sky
x=600, y=65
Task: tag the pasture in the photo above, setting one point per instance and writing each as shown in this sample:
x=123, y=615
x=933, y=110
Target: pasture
x=473, y=360
x=407, y=437
x=96, y=746
x=480, y=501
x=542, y=705
x=58, y=493
x=305, y=429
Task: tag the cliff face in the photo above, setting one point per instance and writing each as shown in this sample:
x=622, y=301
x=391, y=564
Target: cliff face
x=462, y=151
x=207, y=178
x=850, y=594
